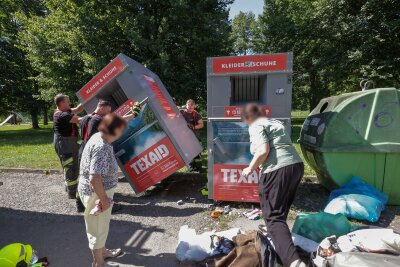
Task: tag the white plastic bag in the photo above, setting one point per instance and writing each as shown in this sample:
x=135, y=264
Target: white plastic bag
x=305, y=243
x=194, y=247
x=371, y=240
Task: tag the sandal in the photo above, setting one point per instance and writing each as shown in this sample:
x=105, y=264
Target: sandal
x=112, y=253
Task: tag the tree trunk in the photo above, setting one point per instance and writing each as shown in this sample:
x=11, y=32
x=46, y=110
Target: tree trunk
x=45, y=115
x=315, y=96
x=34, y=116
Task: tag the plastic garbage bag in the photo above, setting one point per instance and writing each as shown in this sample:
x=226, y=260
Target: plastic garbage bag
x=194, y=247
x=357, y=199
x=358, y=259
x=377, y=240
x=317, y=226
x=356, y=206
x=357, y=186
x=306, y=244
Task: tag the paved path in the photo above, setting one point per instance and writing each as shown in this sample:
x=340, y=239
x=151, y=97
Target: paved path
x=34, y=210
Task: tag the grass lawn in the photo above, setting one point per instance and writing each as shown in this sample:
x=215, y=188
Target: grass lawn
x=21, y=146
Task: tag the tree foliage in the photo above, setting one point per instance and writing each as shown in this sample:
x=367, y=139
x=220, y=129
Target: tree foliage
x=18, y=89
x=335, y=43
x=75, y=39
x=244, y=32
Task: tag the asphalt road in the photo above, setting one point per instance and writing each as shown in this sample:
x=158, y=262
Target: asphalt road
x=34, y=210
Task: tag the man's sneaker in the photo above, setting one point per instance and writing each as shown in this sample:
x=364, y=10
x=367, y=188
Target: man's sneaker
x=79, y=205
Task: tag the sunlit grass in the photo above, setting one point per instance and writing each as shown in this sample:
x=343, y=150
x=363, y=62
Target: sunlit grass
x=21, y=146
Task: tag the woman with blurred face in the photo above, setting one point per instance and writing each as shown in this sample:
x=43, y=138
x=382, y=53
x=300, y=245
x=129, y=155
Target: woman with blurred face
x=281, y=171
x=97, y=181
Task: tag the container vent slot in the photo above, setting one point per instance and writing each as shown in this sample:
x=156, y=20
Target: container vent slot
x=246, y=88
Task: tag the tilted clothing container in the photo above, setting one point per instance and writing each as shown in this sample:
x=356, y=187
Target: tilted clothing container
x=158, y=142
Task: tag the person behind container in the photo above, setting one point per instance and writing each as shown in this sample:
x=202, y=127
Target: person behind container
x=89, y=124
x=281, y=171
x=97, y=181
x=195, y=123
x=65, y=142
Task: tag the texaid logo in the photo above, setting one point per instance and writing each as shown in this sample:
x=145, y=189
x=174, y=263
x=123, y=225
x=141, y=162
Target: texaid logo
x=149, y=159
x=236, y=176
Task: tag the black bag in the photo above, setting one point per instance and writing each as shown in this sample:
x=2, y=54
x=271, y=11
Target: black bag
x=269, y=258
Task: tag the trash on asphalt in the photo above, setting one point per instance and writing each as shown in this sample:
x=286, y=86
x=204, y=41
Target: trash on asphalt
x=357, y=200
x=254, y=215
x=197, y=247
x=227, y=209
x=318, y=226
x=215, y=214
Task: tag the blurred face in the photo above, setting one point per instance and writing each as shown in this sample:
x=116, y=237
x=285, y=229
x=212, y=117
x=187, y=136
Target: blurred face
x=104, y=110
x=190, y=106
x=248, y=119
x=118, y=132
x=65, y=104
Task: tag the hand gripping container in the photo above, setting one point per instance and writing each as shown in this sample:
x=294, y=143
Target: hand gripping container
x=356, y=134
x=158, y=142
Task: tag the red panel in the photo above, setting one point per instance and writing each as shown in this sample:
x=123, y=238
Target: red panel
x=153, y=165
x=275, y=62
x=125, y=107
x=103, y=77
x=230, y=184
x=160, y=96
x=235, y=111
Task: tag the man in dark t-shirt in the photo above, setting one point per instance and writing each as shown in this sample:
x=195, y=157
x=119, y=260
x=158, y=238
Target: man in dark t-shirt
x=89, y=124
x=195, y=123
x=193, y=119
x=65, y=142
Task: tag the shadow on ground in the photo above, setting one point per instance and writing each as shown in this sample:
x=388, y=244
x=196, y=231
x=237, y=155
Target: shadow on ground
x=63, y=238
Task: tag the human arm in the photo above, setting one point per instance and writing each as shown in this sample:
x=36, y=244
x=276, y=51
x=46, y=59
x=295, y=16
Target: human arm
x=97, y=184
x=129, y=116
x=75, y=119
x=259, y=157
x=99, y=167
x=259, y=147
x=78, y=109
x=199, y=125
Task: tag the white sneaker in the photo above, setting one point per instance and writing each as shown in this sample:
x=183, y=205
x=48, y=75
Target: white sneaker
x=298, y=263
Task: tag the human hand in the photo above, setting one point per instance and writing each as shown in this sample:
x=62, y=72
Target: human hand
x=247, y=171
x=136, y=109
x=105, y=204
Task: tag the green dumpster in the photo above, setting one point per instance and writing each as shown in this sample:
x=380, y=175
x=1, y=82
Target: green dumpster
x=356, y=134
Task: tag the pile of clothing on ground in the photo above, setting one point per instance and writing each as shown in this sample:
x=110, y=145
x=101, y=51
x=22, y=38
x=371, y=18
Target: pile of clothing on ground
x=325, y=239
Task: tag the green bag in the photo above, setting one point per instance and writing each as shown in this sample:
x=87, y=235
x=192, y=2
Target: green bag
x=318, y=226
